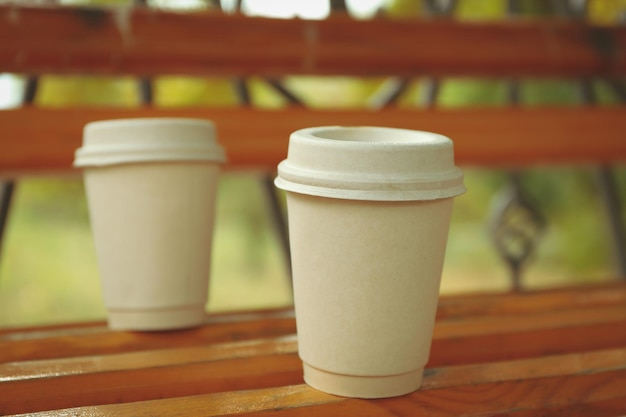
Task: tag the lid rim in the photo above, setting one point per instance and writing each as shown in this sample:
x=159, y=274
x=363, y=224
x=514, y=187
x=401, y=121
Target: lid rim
x=372, y=194
x=420, y=137
x=112, y=162
x=141, y=122
x=295, y=174
x=85, y=157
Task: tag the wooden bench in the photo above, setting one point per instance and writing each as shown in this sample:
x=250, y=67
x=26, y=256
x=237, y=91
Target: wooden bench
x=148, y=43
x=557, y=352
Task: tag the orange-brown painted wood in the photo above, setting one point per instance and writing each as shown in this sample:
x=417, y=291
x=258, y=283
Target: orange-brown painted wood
x=166, y=373
x=612, y=293
x=564, y=358
x=445, y=329
x=58, y=329
x=44, y=140
x=140, y=355
x=149, y=42
x=216, y=404
x=513, y=303
x=150, y=381
x=526, y=344
x=504, y=323
x=507, y=315
x=147, y=383
x=534, y=367
x=129, y=361
x=100, y=341
x=534, y=396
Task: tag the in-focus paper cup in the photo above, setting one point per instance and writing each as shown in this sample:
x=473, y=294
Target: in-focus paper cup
x=369, y=210
x=151, y=188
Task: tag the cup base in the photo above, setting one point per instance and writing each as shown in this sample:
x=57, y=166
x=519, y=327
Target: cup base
x=156, y=319
x=363, y=386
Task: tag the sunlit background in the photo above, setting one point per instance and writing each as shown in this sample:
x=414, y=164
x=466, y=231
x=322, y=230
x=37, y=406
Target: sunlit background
x=48, y=269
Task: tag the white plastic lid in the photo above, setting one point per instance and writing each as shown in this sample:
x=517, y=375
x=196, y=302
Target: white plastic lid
x=113, y=142
x=370, y=163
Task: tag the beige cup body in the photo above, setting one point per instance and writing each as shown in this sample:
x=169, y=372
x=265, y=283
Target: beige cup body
x=366, y=284
x=152, y=225
x=369, y=211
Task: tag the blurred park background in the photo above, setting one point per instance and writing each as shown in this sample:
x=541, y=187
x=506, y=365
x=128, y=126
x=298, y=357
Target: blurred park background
x=48, y=270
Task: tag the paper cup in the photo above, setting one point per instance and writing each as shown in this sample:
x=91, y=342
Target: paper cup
x=151, y=187
x=369, y=210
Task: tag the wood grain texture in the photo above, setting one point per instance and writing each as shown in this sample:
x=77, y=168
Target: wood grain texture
x=258, y=371
x=505, y=314
x=503, y=323
x=150, y=383
x=611, y=293
x=470, y=314
x=36, y=140
x=534, y=396
x=534, y=367
x=17, y=370
x=484, y=331
x=559, y=355
x=128, y=361
x=514, y=303
x=526, y=344
x=101, y=343
x=148, y=42
x=495, y=354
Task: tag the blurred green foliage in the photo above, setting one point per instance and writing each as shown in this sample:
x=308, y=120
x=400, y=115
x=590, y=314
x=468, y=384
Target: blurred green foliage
x=62, y=91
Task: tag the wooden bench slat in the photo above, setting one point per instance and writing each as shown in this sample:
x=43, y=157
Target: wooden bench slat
x=86, y=341
x=254, y=371
x=150, y=42
x=513, y=303
x=14, y=371
x=526, y=344
x=450, y=306
x=503, y=397
x=20, y=332
x=115, y=342
x=567, y=356
x=536, y=367
x=528, y=397
x=459, y=327
x=66, y=329
x=613, y=407
x=25, y=396
x=157, y=382
x=491, y=137
x=444, y=330
x=535, y=395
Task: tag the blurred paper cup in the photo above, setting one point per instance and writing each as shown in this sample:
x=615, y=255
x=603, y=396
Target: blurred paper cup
x=151, y=188
x=369, y=211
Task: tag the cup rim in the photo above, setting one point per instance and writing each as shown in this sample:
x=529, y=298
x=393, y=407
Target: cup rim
x=402, y=137
x=143, y=121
